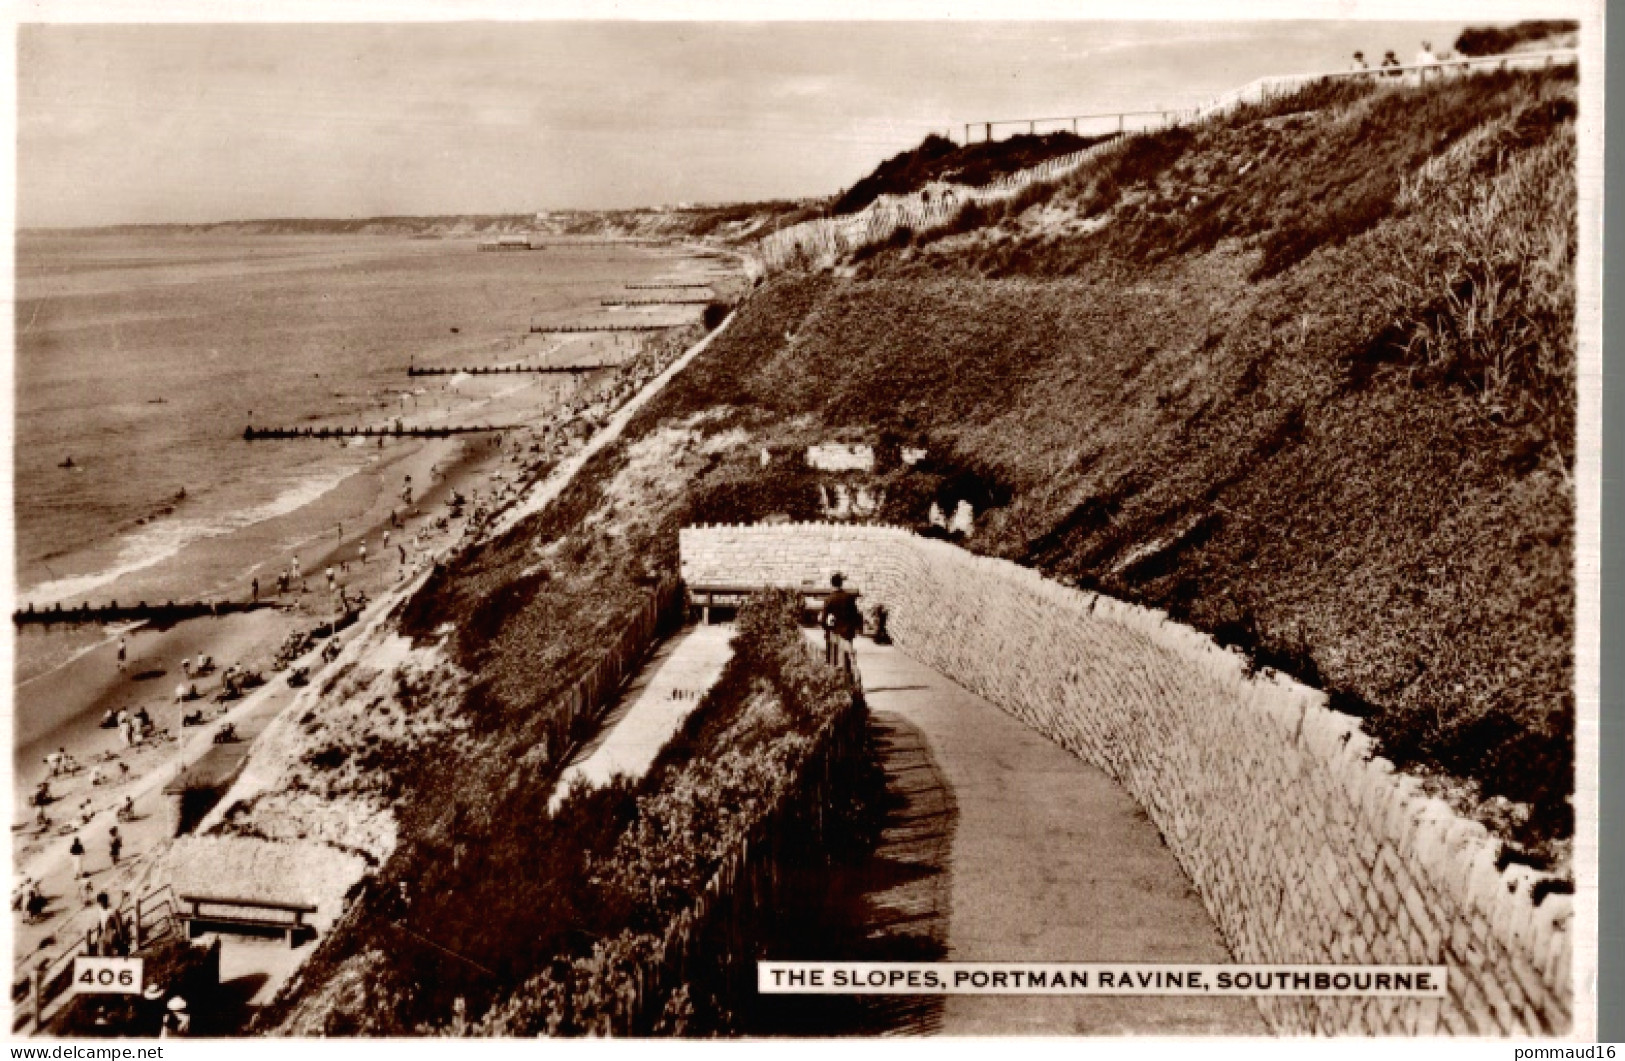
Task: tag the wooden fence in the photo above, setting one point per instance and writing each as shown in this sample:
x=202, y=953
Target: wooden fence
x=715, y=940
x=575, y=715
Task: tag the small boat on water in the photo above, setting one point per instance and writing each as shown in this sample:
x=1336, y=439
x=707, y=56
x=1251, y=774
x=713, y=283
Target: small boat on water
x=67, y=462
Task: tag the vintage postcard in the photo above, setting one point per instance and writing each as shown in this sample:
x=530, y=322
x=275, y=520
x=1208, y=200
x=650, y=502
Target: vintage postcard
x=581, y=522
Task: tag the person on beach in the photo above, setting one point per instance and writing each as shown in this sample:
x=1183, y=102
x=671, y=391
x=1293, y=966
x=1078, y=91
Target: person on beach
x=255, y=587
x=186, y=666
x=126, y=810
x=76, y=851
x=363, y=552
x=53, y=762
x=115, y=845
x=108, y=939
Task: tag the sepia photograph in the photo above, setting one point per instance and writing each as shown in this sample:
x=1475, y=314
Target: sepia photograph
x=587, y=523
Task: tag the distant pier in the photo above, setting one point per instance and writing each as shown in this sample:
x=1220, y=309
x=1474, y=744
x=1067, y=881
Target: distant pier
x=251, y=433
x=497, y=370
x=114, y=612
x=571, y=329
x=663, y=287
x=654, y=301
x=567, y=244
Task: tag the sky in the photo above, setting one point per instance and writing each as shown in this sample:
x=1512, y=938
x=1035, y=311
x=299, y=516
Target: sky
x=182, y=122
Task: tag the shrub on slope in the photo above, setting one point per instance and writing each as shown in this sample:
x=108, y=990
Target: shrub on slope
x=940, y=159
x=1496, y=40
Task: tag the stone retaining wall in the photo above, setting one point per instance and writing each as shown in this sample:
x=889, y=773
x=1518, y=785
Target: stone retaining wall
x=1304, y=847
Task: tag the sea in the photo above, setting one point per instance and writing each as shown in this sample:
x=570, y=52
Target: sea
x=141, y=356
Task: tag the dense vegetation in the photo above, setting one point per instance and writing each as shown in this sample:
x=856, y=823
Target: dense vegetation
x=575, y=905
x=1305, y=377
x=739, y=766
x=1496, y=40
x=940, y=159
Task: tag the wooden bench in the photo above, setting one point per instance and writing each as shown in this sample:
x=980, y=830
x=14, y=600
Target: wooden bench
x=706, y=596
x=288, y=918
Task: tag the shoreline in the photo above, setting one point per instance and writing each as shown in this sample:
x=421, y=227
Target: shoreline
x=88, y=683
x=503, y=472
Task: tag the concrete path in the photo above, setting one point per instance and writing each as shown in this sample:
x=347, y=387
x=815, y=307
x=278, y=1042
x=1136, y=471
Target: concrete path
x=1005, y=847
x=662, y=695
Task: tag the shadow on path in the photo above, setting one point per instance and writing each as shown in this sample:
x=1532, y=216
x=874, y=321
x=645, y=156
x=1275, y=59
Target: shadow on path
x=890, y=906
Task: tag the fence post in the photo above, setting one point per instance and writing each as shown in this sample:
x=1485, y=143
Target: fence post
x=135, y=929
x=39, y=994
x=987, y=131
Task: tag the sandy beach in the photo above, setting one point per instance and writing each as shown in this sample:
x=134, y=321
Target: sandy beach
x=74, y=674
x=67, y=678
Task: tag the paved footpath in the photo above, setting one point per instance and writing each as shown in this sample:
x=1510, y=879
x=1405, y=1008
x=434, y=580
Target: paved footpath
x=1038, y=856
x=652, y=708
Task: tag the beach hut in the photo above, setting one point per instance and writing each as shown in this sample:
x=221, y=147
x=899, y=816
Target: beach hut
x=247, y=885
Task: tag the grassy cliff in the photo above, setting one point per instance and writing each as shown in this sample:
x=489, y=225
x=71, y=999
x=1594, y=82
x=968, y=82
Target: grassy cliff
x=1304, y=376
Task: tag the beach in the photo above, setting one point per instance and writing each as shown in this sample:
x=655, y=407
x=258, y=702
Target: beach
x=66, y=678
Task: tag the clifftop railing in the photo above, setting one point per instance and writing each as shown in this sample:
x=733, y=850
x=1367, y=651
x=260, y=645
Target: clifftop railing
x=823, y=240
x=1267, y=88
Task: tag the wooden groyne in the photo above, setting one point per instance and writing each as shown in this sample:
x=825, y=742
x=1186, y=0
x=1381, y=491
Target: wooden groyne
x=251, y=433
x=114, y=612
x=653, y=301
x=570, y=329
x=498, y=370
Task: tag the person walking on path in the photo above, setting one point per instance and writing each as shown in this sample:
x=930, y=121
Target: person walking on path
x=842, y=620
x=77, y=852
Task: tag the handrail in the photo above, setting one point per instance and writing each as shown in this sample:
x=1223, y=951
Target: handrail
x=46, y=978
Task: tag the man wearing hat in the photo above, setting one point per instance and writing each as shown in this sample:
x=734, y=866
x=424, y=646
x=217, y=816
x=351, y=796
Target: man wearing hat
x=841, y=621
